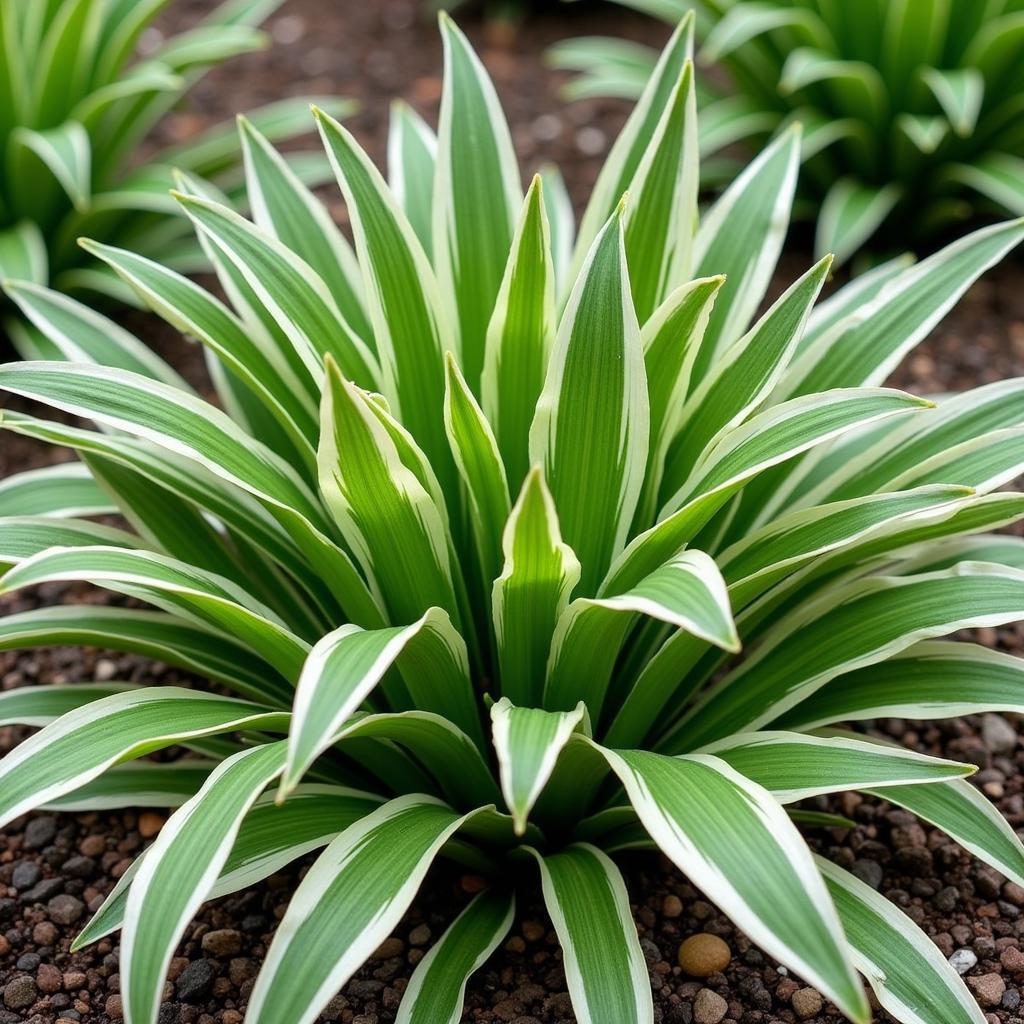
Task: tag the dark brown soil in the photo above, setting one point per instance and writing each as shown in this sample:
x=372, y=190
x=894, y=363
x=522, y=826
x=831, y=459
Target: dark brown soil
x=54, y=870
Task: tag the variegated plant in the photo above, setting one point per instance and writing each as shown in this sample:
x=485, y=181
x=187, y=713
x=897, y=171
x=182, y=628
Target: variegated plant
x=518, y=551
x=911, y=109
x=74, y=108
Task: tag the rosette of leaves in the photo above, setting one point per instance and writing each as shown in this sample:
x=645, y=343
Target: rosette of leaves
x=520, y=550
x=912, y=111
x=74, y=109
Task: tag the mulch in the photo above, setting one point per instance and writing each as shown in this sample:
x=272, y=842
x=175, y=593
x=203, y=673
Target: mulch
x=56, y=869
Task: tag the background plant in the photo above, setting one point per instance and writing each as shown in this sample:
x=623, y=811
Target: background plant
x=912, y=111
x=489, y=602
x=74, y=109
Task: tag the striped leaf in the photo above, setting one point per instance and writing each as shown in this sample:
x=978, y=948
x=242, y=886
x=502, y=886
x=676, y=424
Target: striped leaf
x=520, y=335
x=528, y=742
x=479, y=463
x=23, y=537
x=402, y=294
x=349, y=902
x=735, y=842
x=662, y=214
x=476, y=196
x=528, y=598
x=910, y=977
x=849, y=628
x=437, y=988
x=288, y=287
x=138, y=784
x=344, y=668
x=152, y=635
x=793, y=767
x=741, y=237
x=390, y=521
x=64, y=491
x=968, y=817
x=82, y=744
x=181, y=868
x=39, y=705
x=284, y=207
x=171, y=586
x=768, y=439
x=687, y=592
x=590, y=432
x=932, y=679
x=270, y=837
x=412, y=158
x=604, y=965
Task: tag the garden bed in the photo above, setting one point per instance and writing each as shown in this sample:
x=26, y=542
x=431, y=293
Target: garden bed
x=55, y=869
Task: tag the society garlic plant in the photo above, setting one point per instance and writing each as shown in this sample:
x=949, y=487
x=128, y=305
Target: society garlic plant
x=516, y=550
x=911, y=108
x=74, y=108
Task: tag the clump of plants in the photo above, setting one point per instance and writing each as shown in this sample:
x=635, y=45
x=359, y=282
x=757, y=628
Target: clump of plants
x=911, y=110
x=520, y=550
x=74, y=108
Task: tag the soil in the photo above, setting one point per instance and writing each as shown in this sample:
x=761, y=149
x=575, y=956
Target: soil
x=56, y=869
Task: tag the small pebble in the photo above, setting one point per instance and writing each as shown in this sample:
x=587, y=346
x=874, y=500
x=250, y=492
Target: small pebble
x=963, y=960
x=701, y=955
x=709, y=1007
x=806, y=1003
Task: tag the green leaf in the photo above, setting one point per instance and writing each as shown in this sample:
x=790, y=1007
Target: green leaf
x=23, y=537
x=590, y=431
x=67, y=154
x=529, y=596
x=38, y=705
x=687, y=592
x=84, y=743
x=479, y=463
x=344, y=668
x=391, y=521
x=960, y=93
x=932, y=679
x=437, y=989
x=476, y=196
x=284, y=207
x=661, y=217
x=64, y=491
x=794, y=767
x=520, y=336
x=867, y=347
x=153, y=635
x=740, y=382
x=671, y=339
x=82, y=335
x=412, y=157
x=138, y=784
x=528, y=742
x=850, y=214
x=604, y=965
x=350, y=901
x=402, y=295
x=909, y=976
x=848, y=628
x=768, y=439
x=735, y=842
x=288, y=287
x=23, y=255
x=968, y=817
x=172, y=586
x=180, y=870
x=741, y=237
x=269, y=838
x=628, y=151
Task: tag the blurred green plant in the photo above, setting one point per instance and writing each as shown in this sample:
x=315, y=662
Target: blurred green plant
x=75, y=108
x=913, y=110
